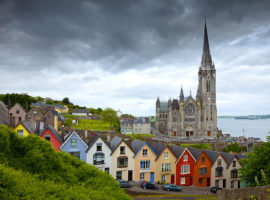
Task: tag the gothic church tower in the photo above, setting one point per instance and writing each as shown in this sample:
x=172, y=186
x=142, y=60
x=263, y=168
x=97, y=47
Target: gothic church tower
x=206, y=93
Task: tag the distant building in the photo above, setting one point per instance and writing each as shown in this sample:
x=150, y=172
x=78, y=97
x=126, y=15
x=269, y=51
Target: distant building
x=59, y=108
x=17, y=114
x=80, y=112
x=126, y=126
x=4, y=119
x=142, y=126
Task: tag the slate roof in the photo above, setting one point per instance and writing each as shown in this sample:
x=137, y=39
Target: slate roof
x=163, y=106
x=141, y=120
x=28, y=126
x=212, y=155
x=239, y=156
x=53, y=131
x=92, y=141
x=137, y=144
x=39, y=104
x=227, y=156
x=177, y=150
x=195, y=152
x=80, y=111
x=157, y=147
x=175, y=104
x=115, y=142
x=127, y=122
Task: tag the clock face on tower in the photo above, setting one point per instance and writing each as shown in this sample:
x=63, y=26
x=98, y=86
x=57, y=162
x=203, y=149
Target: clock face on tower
x=190, y=110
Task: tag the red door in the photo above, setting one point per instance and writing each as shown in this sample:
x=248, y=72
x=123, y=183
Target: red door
x=174, y=134
x=172, y=179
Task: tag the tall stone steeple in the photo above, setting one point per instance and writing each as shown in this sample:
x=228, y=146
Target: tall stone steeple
x=181, y=94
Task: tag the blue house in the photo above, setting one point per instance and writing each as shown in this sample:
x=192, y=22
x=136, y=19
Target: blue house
x=75, y=146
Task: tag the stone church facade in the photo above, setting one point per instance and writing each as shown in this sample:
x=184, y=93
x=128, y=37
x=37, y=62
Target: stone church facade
x=192, y=117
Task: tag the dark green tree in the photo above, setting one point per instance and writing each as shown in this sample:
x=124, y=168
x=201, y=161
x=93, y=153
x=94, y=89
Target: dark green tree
x=66, y=101
x=235, y=148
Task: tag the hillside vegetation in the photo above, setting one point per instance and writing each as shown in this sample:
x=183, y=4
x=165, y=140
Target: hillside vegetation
x=31, y=169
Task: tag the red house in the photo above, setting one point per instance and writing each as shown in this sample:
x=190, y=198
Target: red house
x=50, y=134
x=185, y=166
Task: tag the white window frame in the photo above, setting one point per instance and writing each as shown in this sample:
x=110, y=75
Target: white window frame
x=166, y=167
x=141, y=176
x=185, y=169
x=144, y=152
x=166, y=155
x=183, y=180
x=185, y=157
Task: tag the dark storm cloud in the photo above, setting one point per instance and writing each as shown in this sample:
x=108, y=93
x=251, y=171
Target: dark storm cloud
x=117, y=34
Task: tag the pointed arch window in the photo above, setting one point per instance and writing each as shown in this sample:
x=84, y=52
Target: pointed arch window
x=206, y=109
x=211, y=110
x=208, y=87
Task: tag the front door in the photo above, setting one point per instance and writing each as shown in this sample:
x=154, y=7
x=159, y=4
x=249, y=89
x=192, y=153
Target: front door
x=130, y=172
x=208, y=182
x=174, y=133
x=224, y=183
x=191, y=180
x=172, y=179
x=208, y=133
x=152, y=177
x=187, y=133
x=238, y=184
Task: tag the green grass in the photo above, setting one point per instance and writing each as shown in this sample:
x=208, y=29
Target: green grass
x=198, y=146
x=140, y=136
x=92, y=125
x=200, y=197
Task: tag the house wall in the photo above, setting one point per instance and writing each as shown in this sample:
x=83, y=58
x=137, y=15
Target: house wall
x=129, y=153
x=107, y=155
x=21, y=114
x=204, y=177
x=80, y=147
x=189, y=177
x=228, y=174
x=21, y=127
x=168, y=175
x=220, y=178
x=54, y=141
x=141, y=128
x=137, y=161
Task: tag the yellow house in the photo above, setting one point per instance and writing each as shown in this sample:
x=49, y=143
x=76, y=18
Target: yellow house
x=24, y=128
x=165, y=165
x=144, y=161
x=122, y=162
x=61, y=108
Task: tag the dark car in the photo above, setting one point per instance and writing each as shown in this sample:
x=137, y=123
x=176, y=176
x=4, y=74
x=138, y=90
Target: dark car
x=215, y=189
x=171, y=187
x=148, y=185
x=124, y=184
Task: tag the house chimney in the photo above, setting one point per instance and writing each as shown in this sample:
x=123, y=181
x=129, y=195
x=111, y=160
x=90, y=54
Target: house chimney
x=85, y=133
x=12, y=121
x=9, y=104
x=108, y=137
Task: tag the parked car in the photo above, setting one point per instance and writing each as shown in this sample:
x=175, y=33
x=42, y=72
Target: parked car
x=124, y=184
x=148, y=185
x=171, y=187
x=215, y=189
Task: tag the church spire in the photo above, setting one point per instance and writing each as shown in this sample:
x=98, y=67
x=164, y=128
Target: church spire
x=181, y=94
x=206, y=57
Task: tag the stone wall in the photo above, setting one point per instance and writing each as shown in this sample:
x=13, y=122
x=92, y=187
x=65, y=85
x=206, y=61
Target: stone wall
x=260, y=193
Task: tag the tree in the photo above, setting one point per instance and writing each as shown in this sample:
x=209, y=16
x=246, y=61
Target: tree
x=66, y=101
x=235, y=148
x=256, y=167
x=49, y=101
x=109, y=115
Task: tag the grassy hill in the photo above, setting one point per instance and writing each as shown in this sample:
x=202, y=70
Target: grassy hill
x=31, y=169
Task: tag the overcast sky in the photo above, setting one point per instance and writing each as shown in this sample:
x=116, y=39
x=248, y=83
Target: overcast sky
x=124, y=54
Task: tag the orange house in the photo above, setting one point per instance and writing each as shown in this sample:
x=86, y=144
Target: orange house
x=202, y=168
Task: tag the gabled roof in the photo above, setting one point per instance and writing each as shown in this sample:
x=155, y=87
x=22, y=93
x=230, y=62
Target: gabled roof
x=69, y=136
x=19, y=106
x=240, y=156
x=186, y=149
x=115, y=143
x=27, y=126
x=177, y=150
x=93, y=140
x=157, y=147
x=228, y=157
x=3, y=105
x=136, y=145
x=212, y=155
x=80, y=111
x=53, y=131
x=196, y=153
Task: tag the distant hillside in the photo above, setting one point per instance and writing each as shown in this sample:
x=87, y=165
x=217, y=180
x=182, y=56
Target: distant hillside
x=250, y=117
x=31, y=169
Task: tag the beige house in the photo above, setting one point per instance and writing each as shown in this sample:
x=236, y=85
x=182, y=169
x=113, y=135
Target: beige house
x=232, y=172
x=165, y=164
x=122, y=162
x=17, y=114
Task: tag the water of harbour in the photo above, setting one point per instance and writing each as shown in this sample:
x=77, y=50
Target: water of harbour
x=252, y=128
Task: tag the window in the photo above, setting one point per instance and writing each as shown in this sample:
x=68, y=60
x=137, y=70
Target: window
x=144, y=153
x=20, y=132
x=175, y=117
x=166, y=167
x=47, y=137
x=122, y=150
x=141, y=176
x=206, y=109
x=208, y=86
x=166, y=155
x=98, y=158
x=217, y=183
x=75, y=154
x=202, y=171
x=234, y=173
x=119, y=175
x=203, y=159
x=183, y=180
x=73, y=142
x=122, y=162
x=20, y=119
x=163, y=178
x=219, y=161
x=99, y=146
x=232, y=184
x=200, y=181
x=107, y=170
x=234, y=163
x=185, y=157
x=219, y=171
x=185, y=169
x=17, y=111
x=145, y=165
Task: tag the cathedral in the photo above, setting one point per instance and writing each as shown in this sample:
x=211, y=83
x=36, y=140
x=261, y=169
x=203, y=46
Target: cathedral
x=192, y=117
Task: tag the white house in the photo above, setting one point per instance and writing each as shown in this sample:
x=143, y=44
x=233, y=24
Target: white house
x=80, y=112
x=142, y=126
x=99, y=154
